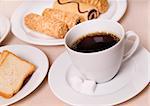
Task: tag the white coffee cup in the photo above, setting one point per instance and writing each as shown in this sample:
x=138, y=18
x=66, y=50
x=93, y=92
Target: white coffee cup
x=103, y=65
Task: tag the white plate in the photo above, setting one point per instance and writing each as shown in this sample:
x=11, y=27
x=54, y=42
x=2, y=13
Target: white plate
x=34, y=56
x=131, y=80
x=4, y=27
x=115, y=12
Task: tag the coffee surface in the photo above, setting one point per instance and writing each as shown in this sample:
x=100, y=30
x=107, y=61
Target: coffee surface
x=95, y=42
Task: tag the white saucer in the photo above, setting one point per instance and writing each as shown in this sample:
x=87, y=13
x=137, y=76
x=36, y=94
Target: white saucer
x=35, y=56
x=115, y=12
x=4, y=27
x=131, y=80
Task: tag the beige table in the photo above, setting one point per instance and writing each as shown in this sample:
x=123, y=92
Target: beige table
x=136, y=19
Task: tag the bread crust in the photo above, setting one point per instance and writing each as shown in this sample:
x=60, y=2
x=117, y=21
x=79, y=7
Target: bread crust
x=4, y=54
x=7, y=96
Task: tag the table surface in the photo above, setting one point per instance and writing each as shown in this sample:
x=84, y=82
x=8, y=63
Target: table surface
x=136, y=19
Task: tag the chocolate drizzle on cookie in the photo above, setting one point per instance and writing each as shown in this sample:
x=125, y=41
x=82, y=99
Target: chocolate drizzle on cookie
x=78, y=5
x=92, y=14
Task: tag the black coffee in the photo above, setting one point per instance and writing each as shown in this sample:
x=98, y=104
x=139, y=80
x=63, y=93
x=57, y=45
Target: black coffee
x=95, y=42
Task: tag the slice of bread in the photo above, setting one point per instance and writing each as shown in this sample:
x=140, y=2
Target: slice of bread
x=13, y=72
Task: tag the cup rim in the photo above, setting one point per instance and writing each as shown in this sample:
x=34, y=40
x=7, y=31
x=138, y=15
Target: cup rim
x=98, y=52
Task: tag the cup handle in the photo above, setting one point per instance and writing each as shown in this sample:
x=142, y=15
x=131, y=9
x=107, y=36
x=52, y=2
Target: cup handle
x=135, y=45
